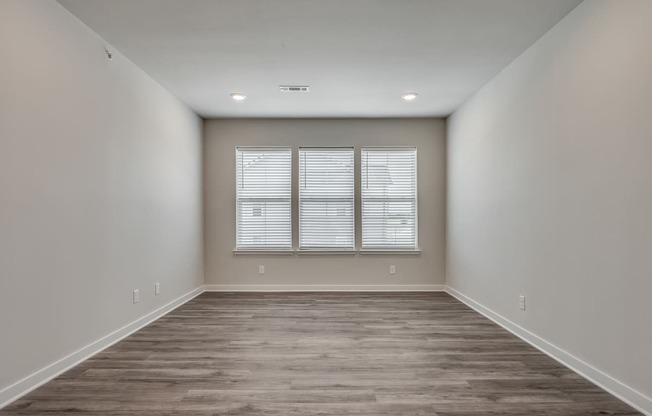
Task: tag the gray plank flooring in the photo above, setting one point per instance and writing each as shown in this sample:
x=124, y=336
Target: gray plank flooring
x=300, y=354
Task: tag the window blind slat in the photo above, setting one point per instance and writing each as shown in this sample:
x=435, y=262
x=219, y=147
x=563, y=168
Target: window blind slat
x=389, y=198
x=326, y=199
x=264, y=198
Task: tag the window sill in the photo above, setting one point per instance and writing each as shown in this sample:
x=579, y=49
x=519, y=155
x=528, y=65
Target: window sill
x=325, y=252
x=288, y=252
x=392, y=252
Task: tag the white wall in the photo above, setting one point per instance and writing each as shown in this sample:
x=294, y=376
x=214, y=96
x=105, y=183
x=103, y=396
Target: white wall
x=100, y=189
x=550, y=191
x=225, y=268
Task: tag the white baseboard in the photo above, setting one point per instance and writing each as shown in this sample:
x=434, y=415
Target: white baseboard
x=634, y=398
x=325, y=288
x=35, y=380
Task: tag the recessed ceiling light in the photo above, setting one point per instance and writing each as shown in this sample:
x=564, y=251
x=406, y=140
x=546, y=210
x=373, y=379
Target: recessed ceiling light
x=238, y=96
x=409, y=96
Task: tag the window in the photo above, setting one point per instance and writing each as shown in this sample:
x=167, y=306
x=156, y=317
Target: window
x=326, y=199
x=263, y=198
x=389, y=198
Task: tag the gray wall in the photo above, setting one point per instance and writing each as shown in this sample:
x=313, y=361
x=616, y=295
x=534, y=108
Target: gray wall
x=550, y=190
x=100, y=189
x=225, y=268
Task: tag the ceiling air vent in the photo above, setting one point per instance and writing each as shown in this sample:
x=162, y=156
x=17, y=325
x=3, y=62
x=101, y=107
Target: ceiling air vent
x=294, y=88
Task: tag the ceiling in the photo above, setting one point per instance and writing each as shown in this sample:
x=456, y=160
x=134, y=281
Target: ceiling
x=357, y=56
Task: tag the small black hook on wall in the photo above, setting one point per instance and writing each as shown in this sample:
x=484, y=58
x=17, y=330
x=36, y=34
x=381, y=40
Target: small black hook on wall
x=108, y=54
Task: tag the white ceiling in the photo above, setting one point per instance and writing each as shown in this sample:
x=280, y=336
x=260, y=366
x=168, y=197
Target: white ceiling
x=358, y=56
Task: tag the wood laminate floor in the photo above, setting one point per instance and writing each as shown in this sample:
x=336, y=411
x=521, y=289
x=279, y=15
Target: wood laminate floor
x=301, y=354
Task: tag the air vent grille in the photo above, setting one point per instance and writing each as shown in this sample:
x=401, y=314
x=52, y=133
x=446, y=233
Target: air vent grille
x=294, y=88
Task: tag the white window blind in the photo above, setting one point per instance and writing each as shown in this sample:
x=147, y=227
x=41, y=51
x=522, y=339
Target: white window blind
x=326, y=199
x=263, y=198
x=389, y=198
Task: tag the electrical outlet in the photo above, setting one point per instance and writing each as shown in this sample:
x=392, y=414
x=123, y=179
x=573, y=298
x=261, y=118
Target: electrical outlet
x=157, y=288
x=392, y=269
x=136, y=296
x=521, y=304
x=261, y=269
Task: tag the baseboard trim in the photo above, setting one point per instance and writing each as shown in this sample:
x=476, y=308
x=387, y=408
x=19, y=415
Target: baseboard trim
x=632, y=397
x=22, y=387
x=325, y=288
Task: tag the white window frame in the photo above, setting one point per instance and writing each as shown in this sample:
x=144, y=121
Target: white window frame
x=388, y=249
x=301, y=155
x=262, y=248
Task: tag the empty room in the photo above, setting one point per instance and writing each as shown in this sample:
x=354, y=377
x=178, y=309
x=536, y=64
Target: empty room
x=326, y=207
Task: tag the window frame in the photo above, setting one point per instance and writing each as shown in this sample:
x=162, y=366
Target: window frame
x=335, y=249
x=262, y=249
x=358, y=202
x=389, y=250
